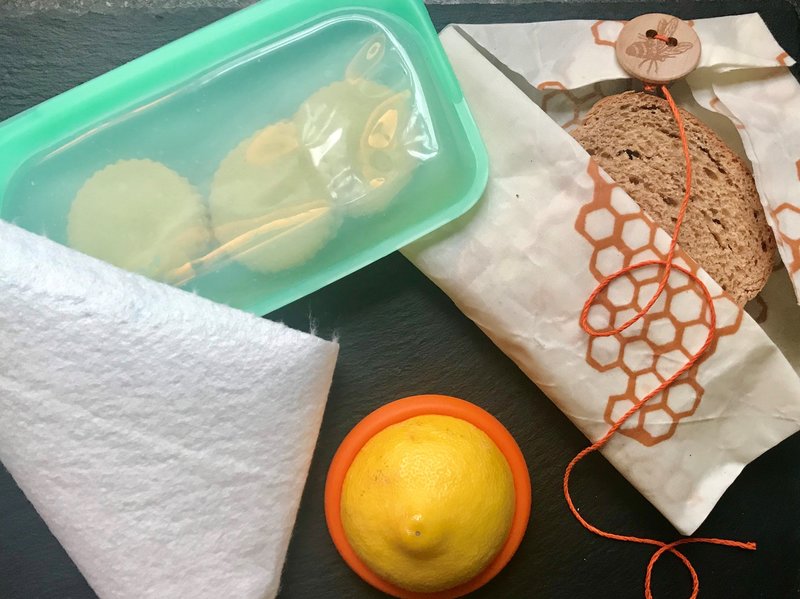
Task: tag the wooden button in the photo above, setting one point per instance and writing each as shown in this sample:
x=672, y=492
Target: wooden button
x=658, y=48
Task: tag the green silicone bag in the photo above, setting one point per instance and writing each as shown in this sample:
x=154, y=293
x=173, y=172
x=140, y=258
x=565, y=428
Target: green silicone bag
x=257, y=159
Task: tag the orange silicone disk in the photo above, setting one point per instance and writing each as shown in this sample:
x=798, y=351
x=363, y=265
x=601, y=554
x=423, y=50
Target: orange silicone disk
x=398, y=411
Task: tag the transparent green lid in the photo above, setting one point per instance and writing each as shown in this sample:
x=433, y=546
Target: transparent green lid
x=258, y=159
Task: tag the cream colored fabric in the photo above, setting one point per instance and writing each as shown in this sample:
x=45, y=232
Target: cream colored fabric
x=549, y=227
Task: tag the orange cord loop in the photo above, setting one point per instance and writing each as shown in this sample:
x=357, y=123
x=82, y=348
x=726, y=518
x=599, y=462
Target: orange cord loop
x=668, y=266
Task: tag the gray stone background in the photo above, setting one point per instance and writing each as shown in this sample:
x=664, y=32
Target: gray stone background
x=24, y=6
x=17, y=7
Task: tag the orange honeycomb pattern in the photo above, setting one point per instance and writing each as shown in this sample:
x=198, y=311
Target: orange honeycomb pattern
x=788, y=218
x=559, y=100
x=656, y=346
x=605, y=32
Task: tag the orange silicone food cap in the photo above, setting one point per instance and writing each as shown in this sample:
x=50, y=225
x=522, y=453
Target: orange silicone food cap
x=398, y=411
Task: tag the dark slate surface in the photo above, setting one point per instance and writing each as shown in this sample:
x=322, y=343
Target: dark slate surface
x=400, y=335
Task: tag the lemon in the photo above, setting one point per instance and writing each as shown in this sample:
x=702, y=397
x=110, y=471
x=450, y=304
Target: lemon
x=428, y=503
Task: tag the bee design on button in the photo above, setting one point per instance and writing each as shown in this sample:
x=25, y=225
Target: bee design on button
x=658, y=45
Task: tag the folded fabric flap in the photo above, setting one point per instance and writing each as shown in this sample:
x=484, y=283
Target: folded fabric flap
x=576, y=53
x=549, y=227
x=742, y=76
x=762, y=104
x=164, y=439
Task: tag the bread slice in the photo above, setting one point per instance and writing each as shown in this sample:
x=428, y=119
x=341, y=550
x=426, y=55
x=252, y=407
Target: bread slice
x=634, y=138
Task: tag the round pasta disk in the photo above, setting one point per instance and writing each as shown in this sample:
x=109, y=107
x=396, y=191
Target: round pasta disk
x=141, y=216
x=357, y=133
x=268, y=208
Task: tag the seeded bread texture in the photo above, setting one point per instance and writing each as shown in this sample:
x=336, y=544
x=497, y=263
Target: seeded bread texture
x=634, y=138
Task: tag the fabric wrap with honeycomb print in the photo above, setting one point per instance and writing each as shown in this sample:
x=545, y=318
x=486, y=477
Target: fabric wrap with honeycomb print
x=742, y=88
x=521, y=263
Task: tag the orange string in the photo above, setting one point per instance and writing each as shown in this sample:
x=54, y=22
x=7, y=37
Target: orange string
x=668, y=267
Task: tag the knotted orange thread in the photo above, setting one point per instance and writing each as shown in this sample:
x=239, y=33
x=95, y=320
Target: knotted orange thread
x=668, y=266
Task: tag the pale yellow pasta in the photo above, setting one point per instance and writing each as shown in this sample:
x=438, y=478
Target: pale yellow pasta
x=141, y=216
x=269, y=211
x=356, y=133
